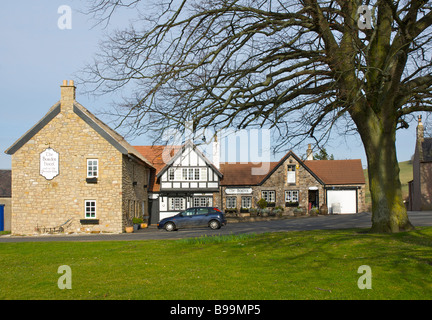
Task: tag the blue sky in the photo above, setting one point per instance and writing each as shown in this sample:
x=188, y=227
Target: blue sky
x=36, y=55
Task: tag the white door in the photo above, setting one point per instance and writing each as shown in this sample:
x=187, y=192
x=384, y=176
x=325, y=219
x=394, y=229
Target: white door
x=342, y=201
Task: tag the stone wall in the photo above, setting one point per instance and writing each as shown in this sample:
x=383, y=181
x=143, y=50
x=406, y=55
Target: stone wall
x=134, y=190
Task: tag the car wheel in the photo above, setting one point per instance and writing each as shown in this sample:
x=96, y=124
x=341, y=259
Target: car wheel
x=214, y=224
x=169, y=226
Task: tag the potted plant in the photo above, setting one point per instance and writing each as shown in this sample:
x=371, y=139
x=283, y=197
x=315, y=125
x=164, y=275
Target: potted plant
x=129, y=229
x=137, y=223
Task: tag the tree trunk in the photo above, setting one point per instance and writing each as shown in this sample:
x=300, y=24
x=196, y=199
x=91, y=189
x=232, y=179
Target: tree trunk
x=388, y=210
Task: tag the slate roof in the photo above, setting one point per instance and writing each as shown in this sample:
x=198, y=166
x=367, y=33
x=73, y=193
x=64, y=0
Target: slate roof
x=5, y=184
x=99, y=126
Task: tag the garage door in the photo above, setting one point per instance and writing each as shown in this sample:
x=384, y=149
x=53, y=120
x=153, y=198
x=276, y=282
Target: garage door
x=342, y=201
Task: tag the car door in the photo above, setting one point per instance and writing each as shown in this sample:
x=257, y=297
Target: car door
x=201, y=217
x=185, y=220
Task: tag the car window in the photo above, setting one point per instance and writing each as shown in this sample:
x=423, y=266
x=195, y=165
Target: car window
x=202, y=211
x=189, y=212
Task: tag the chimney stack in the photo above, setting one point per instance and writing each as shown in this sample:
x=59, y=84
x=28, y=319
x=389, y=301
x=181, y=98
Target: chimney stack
x=216, y=152
x=309, y=153
x=420, y=130
x=67, y=95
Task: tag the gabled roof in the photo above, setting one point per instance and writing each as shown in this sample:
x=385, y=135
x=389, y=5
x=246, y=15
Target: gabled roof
x=115, y=139
x=189, y=144
x=5, y=184
x=326, y=172
x=236, y=174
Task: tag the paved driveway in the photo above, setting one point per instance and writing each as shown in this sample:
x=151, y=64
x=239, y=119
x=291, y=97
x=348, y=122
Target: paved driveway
x=360, y=220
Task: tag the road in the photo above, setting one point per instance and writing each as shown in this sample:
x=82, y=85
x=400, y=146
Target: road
x=360, y=220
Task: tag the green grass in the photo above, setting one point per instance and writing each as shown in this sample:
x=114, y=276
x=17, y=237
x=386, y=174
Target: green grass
x=283, y=265
x=405, y=175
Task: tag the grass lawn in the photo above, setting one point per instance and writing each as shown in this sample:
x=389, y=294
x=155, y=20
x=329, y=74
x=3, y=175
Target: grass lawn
x=284, y=265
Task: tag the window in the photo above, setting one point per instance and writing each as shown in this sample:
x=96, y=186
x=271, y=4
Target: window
x=202, y=201
x=189, y=212
x=246, y=202
x=291, y=174
x=291, y=196
x=92, y=168
x=190, y=174
x=90, y=209
x=176, y=203
x=231, y=202
x=202, y=211
x=269, y=196
x=171, y=174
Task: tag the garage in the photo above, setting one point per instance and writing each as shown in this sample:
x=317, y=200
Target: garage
x=342, y=201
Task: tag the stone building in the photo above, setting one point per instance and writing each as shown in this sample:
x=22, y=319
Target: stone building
x=72, y=170
x=420, y=188
x=292, y=183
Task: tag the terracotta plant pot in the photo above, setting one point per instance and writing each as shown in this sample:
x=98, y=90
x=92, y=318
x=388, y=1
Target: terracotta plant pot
x=129, y=229
x=143, y=225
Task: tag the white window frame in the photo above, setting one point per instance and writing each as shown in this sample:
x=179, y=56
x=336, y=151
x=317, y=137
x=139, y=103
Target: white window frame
x=228, y=201
x=90, y=168
x=191, y=174
x=202, y=201
x=87, y=213
x=269, y=195
x=291, y=196
x=246, y=202
x=176, y=203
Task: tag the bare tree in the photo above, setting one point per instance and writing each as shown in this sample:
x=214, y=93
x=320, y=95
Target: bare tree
x=303, y=68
